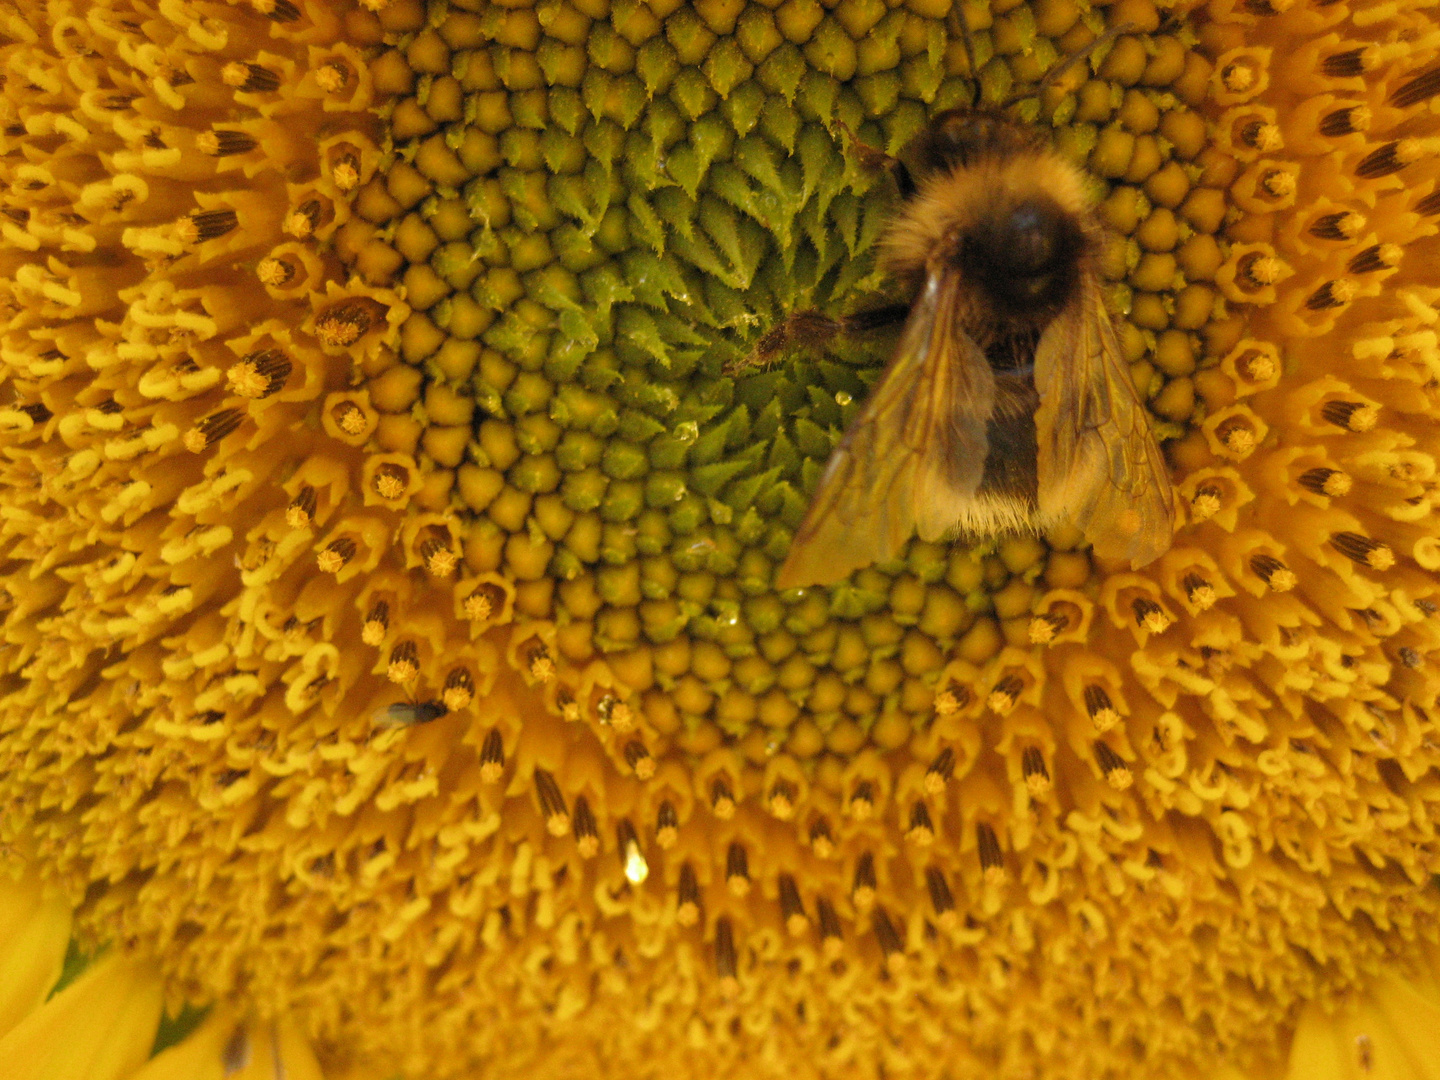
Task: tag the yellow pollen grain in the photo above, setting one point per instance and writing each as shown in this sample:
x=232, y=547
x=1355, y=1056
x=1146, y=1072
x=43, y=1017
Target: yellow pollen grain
x=332, y=78
x=1238, y=78
x=299, y=224
x=245, y=379
x=478, y=607
x=350, y=419
x=1265, y=270
x=442, y=563
x=1239, y=439
x=346, y=174
x=1206, y=504
x=274, y=272
x=1267, y=138
x=1279, y=183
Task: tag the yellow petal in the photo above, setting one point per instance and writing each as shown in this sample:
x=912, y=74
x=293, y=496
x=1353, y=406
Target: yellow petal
x=100, y=1027
x=34, y=930
x=199, y=1056
x=223, y=1048
x=1390, y=1032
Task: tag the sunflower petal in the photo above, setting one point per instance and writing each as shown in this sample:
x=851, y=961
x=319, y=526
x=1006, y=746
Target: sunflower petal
x=100, y=1027
x=34, y=931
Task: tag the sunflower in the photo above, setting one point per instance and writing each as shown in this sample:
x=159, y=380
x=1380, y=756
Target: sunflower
x=395, y=681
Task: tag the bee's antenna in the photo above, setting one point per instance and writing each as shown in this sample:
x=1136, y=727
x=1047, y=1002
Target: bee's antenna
x=1069, y=62
x=957, y=15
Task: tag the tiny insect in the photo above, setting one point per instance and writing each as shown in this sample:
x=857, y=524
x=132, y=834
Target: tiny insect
x=409, y=713
x=1007, y=405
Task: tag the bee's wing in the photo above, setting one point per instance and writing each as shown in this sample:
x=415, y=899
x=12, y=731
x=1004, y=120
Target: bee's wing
x=914, y=456
x=1099, y=465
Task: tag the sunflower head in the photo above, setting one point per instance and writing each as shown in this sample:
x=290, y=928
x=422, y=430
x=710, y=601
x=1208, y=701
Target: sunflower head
x=392, y=520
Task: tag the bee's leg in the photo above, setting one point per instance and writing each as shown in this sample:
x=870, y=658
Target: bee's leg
x=871, y=158
x=812, y=331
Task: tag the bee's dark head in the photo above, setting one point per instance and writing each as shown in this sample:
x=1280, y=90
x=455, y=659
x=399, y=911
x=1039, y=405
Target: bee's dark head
x=960, y=137
x=1026, y=256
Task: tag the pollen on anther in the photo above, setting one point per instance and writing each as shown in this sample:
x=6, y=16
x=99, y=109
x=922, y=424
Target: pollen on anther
x=301, y=221
x=332, y=77
x=276, y=273
x=249, y=77
x=1351, y=415
x=225, y=142
x=404, y=663
x=1345, y=225
x=344, y=324
x=951, y=700
x=687, y=909
x=921, y=832
x=862, y=801
x=992, y=860
x=1237, y=436
x=1329, y=482
x=940, y=771
x=438, y=557
x=1345, y=121
x=349, y=417
x=1103, y=714
x=377, y=622
x=459, y=690
x=1273, y=572
x=211, y=429
x=492, y=765
x=390, y=481
x=1374, y=258
x=737, y=870
x=1005, y=695
x=205, y=225
x=1206, y=502
x=639, y=759
x=1199, y=592
x=479, y=605
x=541, y=665
x=336, y=554
x=1032, y=768
x=862, y=889
x=587, y=838
x=259, y=374
x=1335, y=293
x=552, y=803
x=667, y=825
x=722, y=802
x=1150, y=616
x=821, y=842
x=792, y=908
x=1112, y=765
x=346, y=172
x=781, y=800
x=1044, y=628
x=1375, y=554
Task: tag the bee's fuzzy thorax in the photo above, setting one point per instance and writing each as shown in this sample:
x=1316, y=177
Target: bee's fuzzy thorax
x=950, y=204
